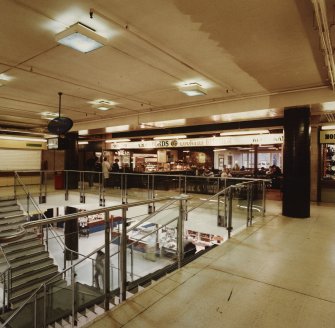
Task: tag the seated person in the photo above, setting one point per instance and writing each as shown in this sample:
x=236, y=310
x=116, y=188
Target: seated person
x=226, y=173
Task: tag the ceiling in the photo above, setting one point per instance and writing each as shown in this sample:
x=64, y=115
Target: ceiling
x=253, y=58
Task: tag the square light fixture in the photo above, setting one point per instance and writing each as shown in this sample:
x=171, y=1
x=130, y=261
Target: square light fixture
x=102, y=104
x=81, y=37
x=192, y=89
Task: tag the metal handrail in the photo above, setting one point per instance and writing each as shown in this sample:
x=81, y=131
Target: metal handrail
x=92, y=212
x=22, y=227
x=70, y=217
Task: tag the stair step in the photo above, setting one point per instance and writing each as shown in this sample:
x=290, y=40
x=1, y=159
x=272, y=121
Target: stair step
x=8, y=202
x=22, y=253
x=26, y=237
x=30, y=260
x=19, y=296
x=9, y=214
x=13, y=219
x=19, y=272
x=57, y=283
x=90, y=315
x=10, y=208
x=34, y=276
x=99, y=310
x=65, y=324
x=5, y=198
x=11, y=248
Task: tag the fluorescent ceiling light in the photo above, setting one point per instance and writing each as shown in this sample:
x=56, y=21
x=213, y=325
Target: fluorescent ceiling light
x=83, y=132
x=5, y=77
x=193, y=89
x=328, y=105
x=328, y=127
x=162, y=124
x=252, y=115
x=82, y=142
x=170, y=137
x=81, y=38
x=22, y=138
x=117, y=140
x=117, y=128
x=223, y=149
x=240, y=133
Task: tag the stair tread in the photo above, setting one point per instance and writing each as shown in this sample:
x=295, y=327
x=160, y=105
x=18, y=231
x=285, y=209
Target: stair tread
x=33, y=276
x=9, y=208
x=31, y=259
x=5, y=221
x=12, y=255
x=16, y=274
x=21, y=247
x=8, y=202
x=27, y=236
x=23, y=293
x=9, y=214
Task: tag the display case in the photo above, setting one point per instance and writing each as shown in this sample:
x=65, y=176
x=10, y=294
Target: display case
x=328, y=162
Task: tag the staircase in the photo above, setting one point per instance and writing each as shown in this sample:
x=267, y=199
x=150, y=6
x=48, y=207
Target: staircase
x=30, y=262
x=31, y=265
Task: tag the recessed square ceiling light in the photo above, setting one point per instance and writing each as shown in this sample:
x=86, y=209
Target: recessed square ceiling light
x=81, y=37
x=49, y=115
x=192, y=89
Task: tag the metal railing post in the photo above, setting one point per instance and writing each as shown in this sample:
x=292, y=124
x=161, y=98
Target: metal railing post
x=230, y=211
x=101, y=190
x=150, y=194
x=82, y=187
x=132, y=262
x=45, y=301
x=249, y=215
x=107, y=261
x=66, y=185
x=35, y=311
x=180, y=228
x=74, y=298
x=123, y=256
x=28, y=197
x=263, y=198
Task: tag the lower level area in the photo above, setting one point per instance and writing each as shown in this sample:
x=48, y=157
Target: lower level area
x=278, y=273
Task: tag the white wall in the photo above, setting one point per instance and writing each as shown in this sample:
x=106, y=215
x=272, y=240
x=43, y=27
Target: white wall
x=18, y=159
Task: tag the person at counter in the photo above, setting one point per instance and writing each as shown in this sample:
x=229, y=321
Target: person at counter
x=276, y=176
x=115, y=178
x=225, y=173
x=208, y=172
x=105, y=165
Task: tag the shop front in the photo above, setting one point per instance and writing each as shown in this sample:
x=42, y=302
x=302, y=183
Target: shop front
x=327, y=176
x=242, y=155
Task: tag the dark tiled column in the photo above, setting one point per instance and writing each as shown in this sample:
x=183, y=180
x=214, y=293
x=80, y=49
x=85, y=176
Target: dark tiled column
x=296, y=182
x=71, y=160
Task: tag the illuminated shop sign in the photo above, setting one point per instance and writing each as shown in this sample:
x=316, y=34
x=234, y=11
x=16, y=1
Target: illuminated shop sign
x=327, y=136
x=263, y=139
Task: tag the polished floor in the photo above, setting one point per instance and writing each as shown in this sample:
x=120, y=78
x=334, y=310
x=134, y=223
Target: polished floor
x=278, y=273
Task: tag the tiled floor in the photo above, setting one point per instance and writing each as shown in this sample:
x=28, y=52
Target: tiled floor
x=278, y=273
